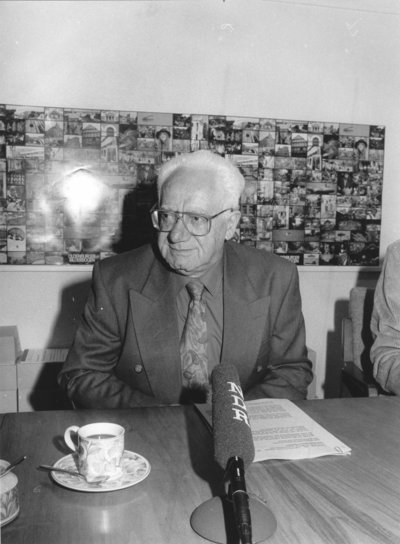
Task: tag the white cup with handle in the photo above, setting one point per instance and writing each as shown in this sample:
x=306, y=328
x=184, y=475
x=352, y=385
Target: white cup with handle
x=99, y=448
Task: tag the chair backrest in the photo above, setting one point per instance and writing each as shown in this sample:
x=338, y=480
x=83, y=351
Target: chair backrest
x=360, y=311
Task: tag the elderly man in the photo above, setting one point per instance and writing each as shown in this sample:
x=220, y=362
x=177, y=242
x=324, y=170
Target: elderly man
x=158, y=319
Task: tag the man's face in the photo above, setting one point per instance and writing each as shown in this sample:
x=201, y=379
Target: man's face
x=194, y=191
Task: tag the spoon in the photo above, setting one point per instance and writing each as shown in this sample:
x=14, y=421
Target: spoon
x=12, y=465
x=98, y=480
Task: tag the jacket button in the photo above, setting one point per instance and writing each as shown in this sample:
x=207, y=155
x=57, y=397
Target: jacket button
x=138, y=368
x=259, y=368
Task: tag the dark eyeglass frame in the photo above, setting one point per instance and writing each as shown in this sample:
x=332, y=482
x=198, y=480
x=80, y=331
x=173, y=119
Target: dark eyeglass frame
x=180, y=215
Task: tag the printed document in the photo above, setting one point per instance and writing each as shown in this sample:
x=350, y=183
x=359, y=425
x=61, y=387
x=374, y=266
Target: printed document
x=281, y=430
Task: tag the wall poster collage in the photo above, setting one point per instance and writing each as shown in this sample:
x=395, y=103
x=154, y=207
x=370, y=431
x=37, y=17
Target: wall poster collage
x=76, y=185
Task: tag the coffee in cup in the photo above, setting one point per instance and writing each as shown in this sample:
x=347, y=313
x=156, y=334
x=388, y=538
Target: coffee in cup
x=99, y=448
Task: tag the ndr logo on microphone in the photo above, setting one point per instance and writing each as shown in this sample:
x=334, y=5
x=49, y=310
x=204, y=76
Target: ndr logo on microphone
x=239, y=407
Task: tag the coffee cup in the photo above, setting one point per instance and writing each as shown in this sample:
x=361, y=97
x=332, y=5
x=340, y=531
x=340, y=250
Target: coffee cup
x=9, y=500
x=99, y=448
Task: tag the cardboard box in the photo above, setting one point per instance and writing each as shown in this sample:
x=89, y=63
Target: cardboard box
x=38, y=375
x=8, y=377
x=30, y=400
x=10, y=350
x=8, y=401
x=10, y=347
x=39, y=368
x=37, y=372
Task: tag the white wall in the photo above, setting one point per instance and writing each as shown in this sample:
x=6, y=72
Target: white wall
x=333, y=60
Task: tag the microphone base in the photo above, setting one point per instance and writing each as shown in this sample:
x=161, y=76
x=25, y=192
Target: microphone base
x=214, y=520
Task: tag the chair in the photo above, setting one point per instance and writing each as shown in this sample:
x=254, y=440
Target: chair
x=357, y=340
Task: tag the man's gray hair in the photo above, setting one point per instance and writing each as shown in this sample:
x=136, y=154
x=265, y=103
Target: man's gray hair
x=229, y=178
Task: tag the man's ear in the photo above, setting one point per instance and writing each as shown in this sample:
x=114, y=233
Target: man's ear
x=233, y=221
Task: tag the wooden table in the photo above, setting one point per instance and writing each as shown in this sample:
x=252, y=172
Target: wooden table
x=349, y=500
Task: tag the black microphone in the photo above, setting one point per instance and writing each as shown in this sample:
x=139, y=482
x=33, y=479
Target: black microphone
x=233, y=441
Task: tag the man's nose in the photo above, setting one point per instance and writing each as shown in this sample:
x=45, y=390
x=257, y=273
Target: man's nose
x=179, y=232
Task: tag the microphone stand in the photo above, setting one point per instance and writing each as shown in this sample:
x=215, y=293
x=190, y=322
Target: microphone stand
x=240, y=499
x=217, y=521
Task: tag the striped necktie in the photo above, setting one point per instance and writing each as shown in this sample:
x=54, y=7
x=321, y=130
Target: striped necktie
x=193, y=346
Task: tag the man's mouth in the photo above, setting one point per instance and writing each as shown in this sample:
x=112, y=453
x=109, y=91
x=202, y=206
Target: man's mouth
x=180, y=249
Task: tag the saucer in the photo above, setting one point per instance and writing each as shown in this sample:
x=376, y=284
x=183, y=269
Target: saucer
x=135, y=468
x=9, y=518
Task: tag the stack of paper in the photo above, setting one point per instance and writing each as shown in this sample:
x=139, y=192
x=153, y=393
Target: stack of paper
x=50, y=355
x=281, y=430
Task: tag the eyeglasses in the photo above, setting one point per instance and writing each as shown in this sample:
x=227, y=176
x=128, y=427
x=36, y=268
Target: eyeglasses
x=197, y=225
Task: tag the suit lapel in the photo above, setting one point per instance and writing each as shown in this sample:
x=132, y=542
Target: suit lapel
x=156, y=325
x=155, y=322
x=245, y=317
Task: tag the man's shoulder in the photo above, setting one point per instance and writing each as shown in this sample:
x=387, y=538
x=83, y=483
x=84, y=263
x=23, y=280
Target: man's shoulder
x=392, y=255
x=394, y=247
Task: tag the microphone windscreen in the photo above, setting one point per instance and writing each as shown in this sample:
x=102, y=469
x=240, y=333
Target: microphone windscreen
x=231, y=426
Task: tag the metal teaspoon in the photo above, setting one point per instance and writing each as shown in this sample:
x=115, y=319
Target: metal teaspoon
x=98, y=480
x=12, y=465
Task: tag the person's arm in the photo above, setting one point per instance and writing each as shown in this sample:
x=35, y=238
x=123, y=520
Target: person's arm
x=88, y=373
x=385, y=323
x=289, y=371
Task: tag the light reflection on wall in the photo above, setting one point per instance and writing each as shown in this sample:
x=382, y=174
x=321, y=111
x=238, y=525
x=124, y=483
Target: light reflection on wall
x=83, y=194
x=78, y=198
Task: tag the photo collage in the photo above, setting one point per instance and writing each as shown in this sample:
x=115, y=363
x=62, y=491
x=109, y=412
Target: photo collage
x=76, y=185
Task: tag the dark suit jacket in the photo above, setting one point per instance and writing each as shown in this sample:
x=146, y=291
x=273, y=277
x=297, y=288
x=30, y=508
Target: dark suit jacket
x=126, y=349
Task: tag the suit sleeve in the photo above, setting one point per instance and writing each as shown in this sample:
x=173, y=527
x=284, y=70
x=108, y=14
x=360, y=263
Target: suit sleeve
x=385, y=323
x=287, y=370
x=88, y=375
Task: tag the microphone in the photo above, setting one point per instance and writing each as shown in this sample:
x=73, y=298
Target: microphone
x=233, y=441
x=219, y=517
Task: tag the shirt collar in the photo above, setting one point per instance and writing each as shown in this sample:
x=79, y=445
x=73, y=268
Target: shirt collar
x=212, y=279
